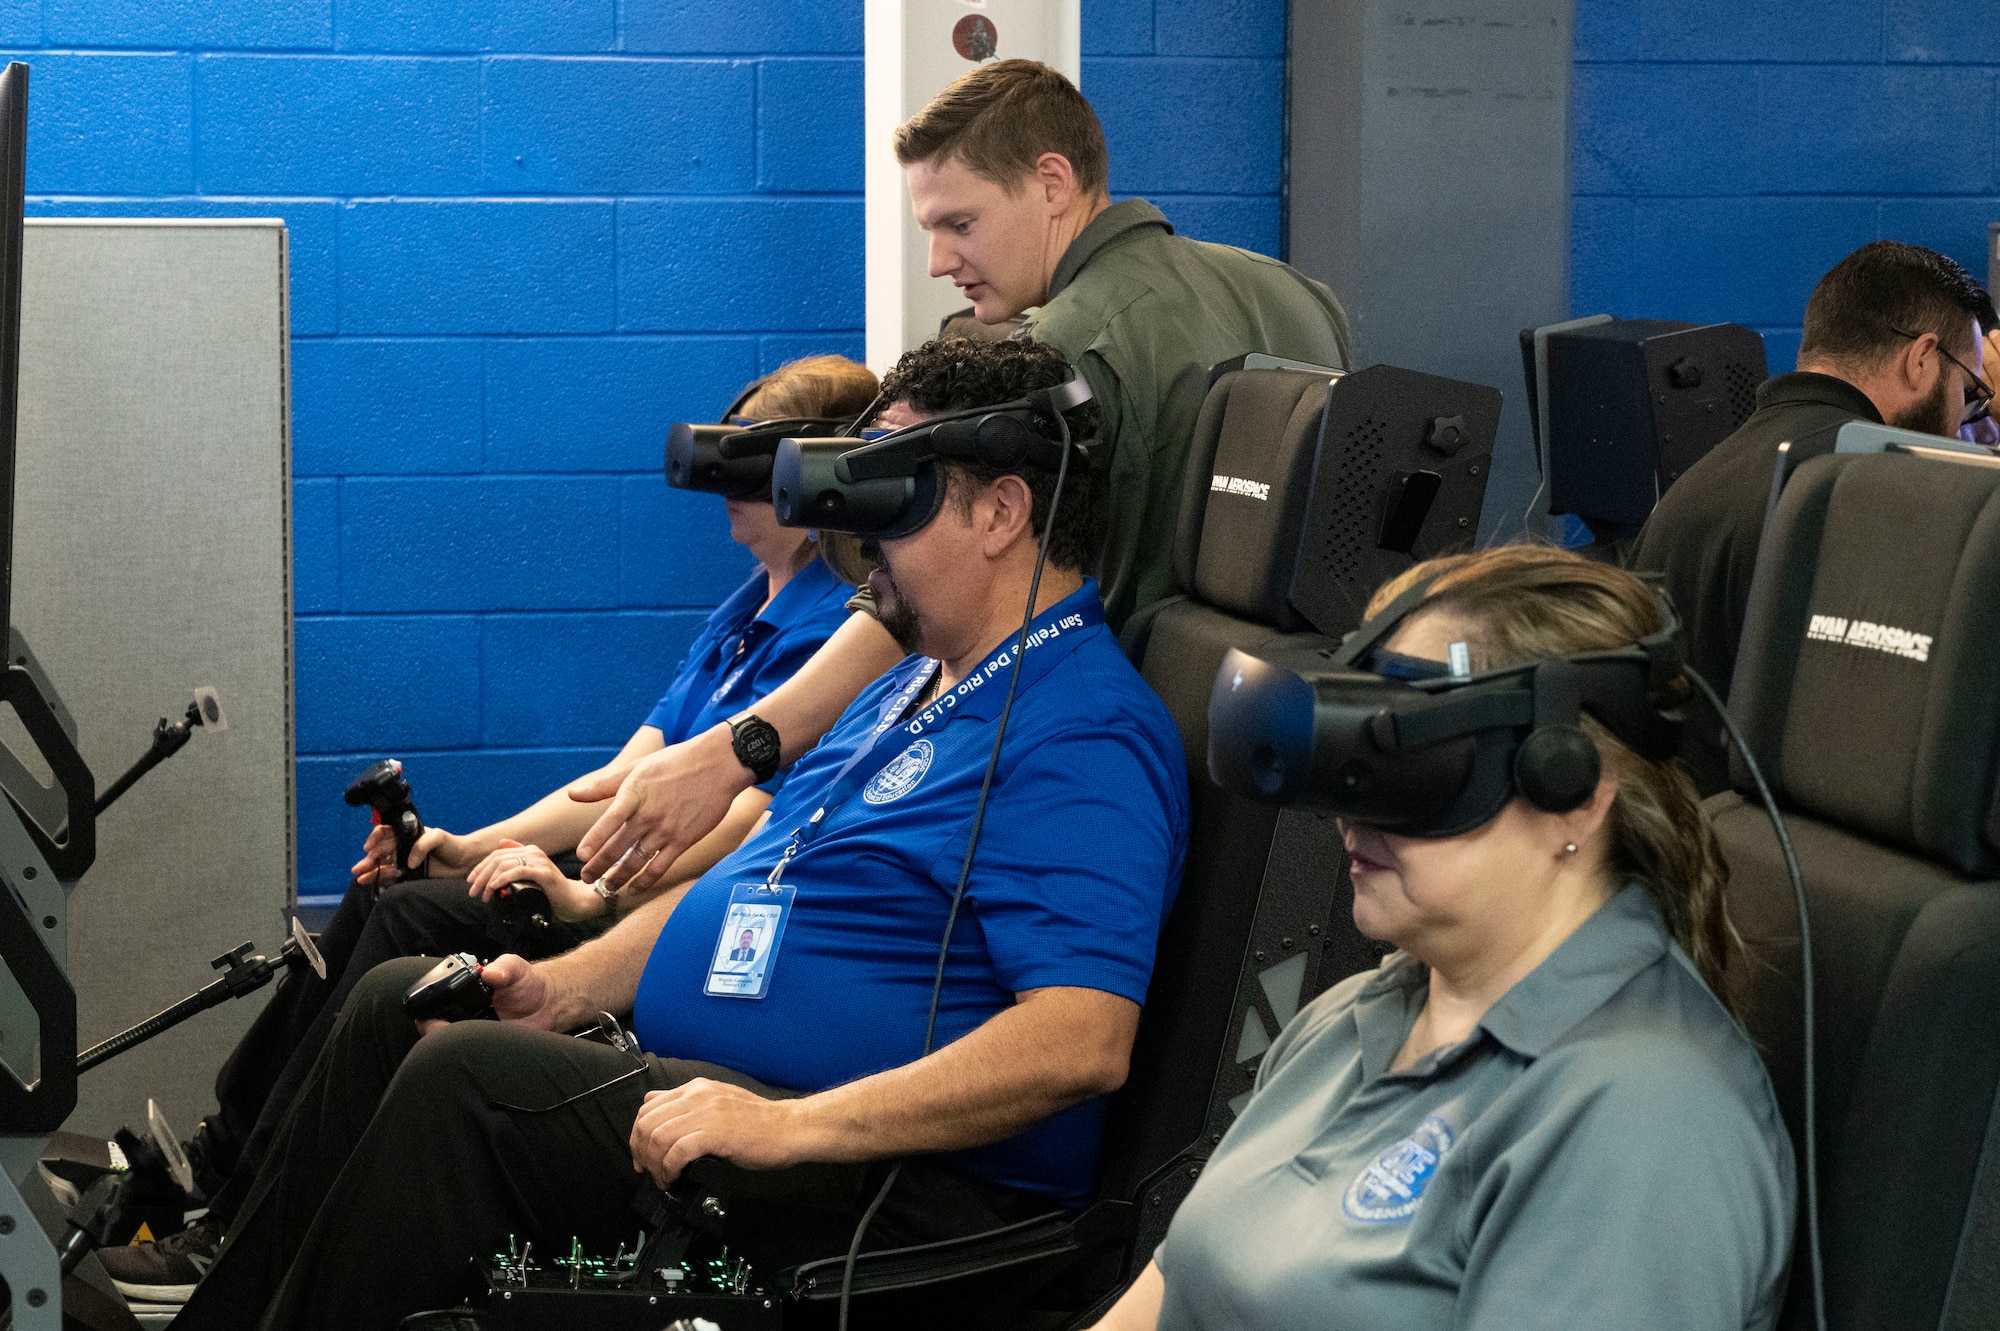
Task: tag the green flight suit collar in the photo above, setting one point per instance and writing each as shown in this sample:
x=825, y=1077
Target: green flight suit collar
x=1107, y=228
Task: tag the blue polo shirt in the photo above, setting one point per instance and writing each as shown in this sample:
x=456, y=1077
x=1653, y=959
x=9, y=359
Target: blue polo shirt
x=742, y=654
x=1077, y=865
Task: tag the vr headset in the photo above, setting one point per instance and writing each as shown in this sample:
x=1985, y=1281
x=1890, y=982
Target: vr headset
x=1401, y=745
x=893, y=486
x=734, y=459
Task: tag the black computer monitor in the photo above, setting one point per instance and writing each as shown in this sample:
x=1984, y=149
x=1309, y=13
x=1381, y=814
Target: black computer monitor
x=13, y=185
x=1630, y=405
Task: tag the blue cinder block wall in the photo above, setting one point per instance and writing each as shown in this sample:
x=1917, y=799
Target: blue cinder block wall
x=525, y=236
x=1726, y=153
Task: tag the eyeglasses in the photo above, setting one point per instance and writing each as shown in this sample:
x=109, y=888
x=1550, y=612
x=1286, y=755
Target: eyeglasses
x=1978, y=397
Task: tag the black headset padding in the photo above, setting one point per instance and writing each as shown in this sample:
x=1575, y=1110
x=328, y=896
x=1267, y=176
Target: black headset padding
x=1557, y=768
x=1487, y=788
x=1004, y=442
x=927, y=491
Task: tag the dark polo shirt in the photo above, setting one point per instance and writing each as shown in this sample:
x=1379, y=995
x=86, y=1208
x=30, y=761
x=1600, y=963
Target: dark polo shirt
x=1703, y=538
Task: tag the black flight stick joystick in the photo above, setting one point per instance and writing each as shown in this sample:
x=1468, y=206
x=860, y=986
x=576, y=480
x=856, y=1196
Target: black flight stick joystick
x=385, y=792
x=524, y=907
x=453, y=990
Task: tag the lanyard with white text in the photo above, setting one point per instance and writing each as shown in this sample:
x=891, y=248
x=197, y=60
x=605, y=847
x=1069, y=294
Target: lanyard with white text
x=981, y=693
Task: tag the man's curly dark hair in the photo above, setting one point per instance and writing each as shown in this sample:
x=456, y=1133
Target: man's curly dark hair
x=954, y=373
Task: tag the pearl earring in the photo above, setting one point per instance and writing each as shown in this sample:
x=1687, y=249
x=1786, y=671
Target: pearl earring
x=1569, y=847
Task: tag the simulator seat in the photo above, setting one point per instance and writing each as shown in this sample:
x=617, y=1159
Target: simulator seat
x=1263, y=920
x=1866, y=688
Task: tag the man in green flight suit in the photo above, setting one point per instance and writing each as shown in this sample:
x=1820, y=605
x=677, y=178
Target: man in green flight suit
x=1009, y=176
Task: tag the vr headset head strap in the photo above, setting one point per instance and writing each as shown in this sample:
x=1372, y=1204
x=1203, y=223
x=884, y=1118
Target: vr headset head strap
x=1666, y=651
x=749, y=391
x=875, y=404
x=1558, y=686
x=1617, y=687
x=1052, y=402
x=1363, y=640
x=761, y=437
x=904, y=451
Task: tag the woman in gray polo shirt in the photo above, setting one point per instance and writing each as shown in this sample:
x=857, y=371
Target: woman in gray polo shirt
x=1540, y=1111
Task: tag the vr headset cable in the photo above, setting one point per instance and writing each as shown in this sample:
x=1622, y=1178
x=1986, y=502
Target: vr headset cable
x=1806, y=976
x=971, y=844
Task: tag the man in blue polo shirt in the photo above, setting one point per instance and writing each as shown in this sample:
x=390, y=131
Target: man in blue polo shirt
x=801, y=1072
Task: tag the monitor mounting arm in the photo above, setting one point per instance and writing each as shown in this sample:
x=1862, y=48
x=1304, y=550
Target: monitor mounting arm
x=47, y=841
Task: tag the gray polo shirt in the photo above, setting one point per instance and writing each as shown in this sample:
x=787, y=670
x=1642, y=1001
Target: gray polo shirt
x=1603, y=1151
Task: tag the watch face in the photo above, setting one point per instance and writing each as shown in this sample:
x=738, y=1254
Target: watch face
x=757, y=745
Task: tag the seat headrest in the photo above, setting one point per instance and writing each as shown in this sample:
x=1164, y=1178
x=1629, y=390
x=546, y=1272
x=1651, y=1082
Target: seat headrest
x=1865, y=682
x=1243, y=501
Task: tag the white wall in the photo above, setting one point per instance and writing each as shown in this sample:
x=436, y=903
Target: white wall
x=915, y=49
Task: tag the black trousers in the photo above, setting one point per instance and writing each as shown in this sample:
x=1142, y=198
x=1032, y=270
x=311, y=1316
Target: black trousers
x=425, y=917
x=405, y=1159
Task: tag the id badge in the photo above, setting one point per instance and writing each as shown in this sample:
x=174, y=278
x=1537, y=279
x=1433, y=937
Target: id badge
x=752, y=928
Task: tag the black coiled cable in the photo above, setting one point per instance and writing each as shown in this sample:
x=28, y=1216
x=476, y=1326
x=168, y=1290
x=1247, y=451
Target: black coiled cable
x=971, y=845
x=1806, y=977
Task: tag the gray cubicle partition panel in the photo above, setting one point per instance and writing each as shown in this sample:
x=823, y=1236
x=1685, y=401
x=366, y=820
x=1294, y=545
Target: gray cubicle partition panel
x=1429, y=186
x=152, y=555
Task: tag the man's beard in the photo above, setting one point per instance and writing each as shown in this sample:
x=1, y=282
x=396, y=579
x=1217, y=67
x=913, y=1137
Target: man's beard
x=892, y=611
x=1932, y=415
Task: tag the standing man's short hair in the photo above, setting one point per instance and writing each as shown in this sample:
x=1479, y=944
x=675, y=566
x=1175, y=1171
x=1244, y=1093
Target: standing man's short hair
x=999, y=120
x=1885, y=286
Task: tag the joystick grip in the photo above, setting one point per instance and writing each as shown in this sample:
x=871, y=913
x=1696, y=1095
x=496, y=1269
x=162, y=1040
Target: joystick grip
x=524, y=907
x=452, y=990
x=387, y=795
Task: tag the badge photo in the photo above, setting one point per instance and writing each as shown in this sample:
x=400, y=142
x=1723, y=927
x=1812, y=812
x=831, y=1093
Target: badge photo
x=752, y=928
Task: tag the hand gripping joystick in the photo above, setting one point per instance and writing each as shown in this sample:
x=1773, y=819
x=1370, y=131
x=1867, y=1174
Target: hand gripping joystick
x=524, y=908
x=452, y=990
x=385, y=792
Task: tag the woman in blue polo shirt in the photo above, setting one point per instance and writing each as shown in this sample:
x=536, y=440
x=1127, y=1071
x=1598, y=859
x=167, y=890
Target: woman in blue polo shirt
x=1540, y=1112
x=752, y=643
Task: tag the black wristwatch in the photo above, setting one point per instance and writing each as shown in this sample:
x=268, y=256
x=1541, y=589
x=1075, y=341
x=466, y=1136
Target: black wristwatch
x=757, y=747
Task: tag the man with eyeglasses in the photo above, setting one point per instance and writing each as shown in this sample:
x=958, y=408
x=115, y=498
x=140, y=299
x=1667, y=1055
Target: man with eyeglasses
x=1892, y=334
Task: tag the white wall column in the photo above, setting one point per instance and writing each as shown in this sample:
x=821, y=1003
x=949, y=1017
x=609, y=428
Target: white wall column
x=914, y=49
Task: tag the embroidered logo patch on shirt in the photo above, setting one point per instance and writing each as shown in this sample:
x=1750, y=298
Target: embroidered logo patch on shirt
x=727, y=684
x=1390, y=1186
x=900, y=777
